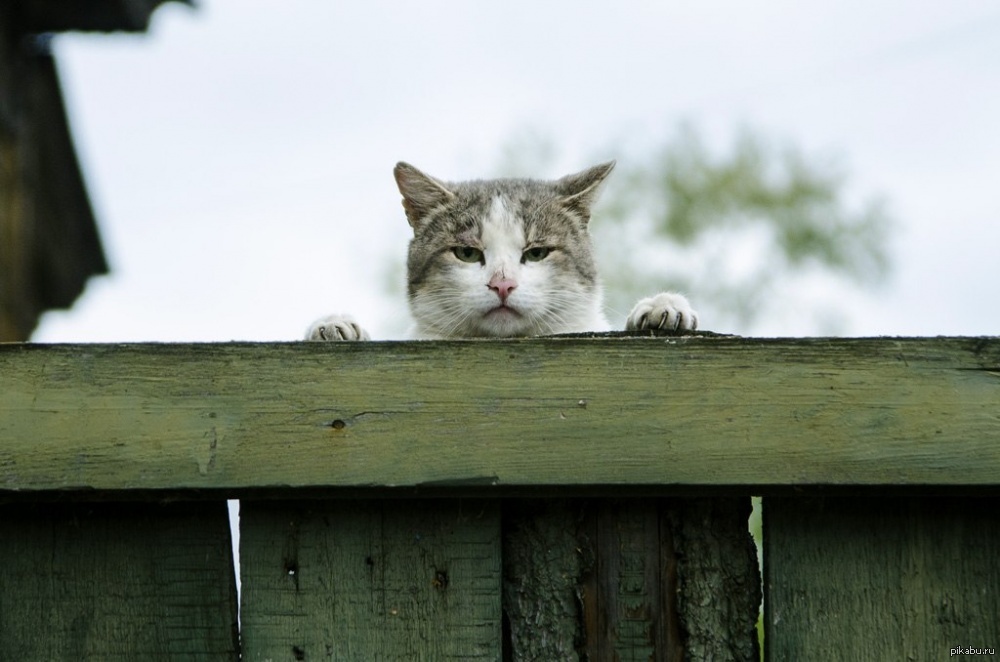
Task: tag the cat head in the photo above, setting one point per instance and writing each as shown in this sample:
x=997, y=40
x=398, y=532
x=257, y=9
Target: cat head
x=501, y=257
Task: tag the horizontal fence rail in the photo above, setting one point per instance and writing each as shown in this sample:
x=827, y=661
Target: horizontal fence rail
x=683, y=411
x=582, y=498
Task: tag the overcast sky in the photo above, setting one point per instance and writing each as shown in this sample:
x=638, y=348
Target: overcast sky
x=239, y=155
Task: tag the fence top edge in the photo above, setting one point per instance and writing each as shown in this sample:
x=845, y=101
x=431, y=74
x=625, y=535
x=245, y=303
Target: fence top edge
x=536, y=492
x=708, y=337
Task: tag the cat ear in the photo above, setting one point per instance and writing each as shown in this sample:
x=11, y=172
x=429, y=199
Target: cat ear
x=421, y=193
x=579, y=191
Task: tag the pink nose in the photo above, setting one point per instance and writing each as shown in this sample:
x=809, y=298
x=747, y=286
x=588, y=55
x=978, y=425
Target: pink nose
x=502, y=286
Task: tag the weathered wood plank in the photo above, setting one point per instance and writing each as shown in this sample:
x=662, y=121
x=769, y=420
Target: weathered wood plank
x=545, y=562
x=630, y=579
x=629, y=411
x=371, y=580
x=117, y=582
x=880, y=579
x=633, y=588
x=716, y=557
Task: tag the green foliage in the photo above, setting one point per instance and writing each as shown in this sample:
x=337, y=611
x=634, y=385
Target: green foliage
x=800, y=201
x=753, y=217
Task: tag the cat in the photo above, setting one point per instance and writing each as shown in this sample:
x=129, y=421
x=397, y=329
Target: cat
x=505, y=258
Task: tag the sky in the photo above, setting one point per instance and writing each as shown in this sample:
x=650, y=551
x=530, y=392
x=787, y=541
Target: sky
x=239, y=155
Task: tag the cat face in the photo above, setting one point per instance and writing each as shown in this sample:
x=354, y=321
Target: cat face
x=503, y=257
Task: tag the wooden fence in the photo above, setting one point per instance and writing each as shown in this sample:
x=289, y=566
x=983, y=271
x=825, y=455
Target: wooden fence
x=544, y=499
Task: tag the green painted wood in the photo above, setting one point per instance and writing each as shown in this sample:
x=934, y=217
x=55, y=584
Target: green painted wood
x=881, y=579
x=117, y=582
x=682, y=411
x=370, y=580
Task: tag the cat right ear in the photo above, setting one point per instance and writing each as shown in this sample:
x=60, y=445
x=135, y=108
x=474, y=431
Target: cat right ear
x=421, y=193
x=579, y=191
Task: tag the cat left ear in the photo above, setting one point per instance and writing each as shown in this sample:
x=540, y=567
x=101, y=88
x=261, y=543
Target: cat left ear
x=421, y=193
x=580, y=191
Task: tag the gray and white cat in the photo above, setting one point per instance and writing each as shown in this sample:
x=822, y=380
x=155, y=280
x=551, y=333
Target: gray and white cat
x=505, y=258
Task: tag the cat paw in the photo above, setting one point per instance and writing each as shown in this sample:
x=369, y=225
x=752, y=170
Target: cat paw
x=666, y=311
x=336, y=328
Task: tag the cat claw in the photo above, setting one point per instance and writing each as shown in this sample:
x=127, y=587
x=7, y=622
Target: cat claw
x=336, y=328
x=667, y=311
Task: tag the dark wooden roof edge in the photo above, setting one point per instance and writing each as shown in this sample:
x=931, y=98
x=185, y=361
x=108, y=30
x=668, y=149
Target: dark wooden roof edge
x=72, y=251
x=47, y=208
x=44, y=16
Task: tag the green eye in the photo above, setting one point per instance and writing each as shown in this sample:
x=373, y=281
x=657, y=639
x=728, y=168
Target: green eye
x=535, y=254
x=468, y=253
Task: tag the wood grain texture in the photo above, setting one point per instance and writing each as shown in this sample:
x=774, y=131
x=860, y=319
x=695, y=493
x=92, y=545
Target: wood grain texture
x=683, y=411
x=719, y=583
x=544, y=564
x=371, y=580
x=633, y=590
x=660, y=580
x=880, y=579
x=117, y=582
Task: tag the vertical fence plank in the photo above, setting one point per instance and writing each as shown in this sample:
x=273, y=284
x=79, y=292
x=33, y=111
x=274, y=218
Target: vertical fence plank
x=630, y=579
x=116, y=581
x=881, y=578
x=543, y=562
x=634, y=584
x=719, y=580
x=371, y=580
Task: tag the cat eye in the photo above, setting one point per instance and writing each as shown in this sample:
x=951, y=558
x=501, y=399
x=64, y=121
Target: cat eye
x=535, y=254
x=468, y=253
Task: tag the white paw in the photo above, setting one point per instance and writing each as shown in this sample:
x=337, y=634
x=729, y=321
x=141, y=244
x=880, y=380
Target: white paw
x=336, y=328
x=666, y=310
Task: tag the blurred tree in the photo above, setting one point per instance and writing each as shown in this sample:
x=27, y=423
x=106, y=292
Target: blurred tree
x=733, y=230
